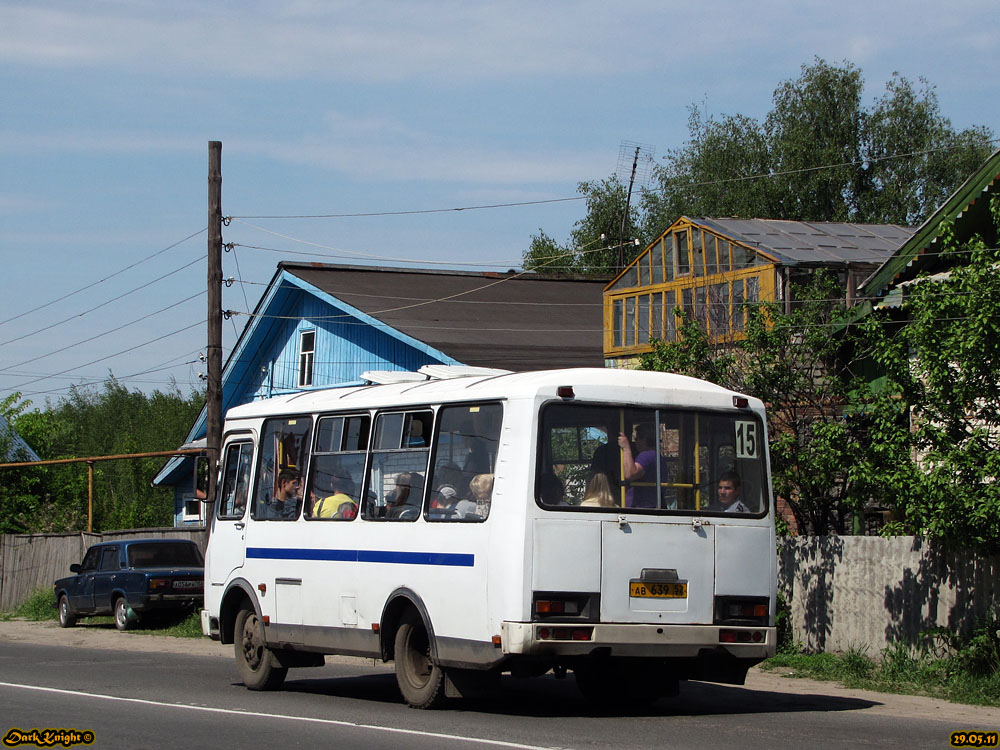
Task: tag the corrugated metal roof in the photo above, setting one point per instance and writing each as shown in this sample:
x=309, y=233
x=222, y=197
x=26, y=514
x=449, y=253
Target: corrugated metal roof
x=18, y=450
x=820, y=243
x=514, y=322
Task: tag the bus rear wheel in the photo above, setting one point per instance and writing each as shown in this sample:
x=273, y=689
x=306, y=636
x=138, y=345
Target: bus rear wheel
x=255, y=663
x=420, y=680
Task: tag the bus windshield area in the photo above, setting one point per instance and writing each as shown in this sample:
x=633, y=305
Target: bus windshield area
x=594, y=458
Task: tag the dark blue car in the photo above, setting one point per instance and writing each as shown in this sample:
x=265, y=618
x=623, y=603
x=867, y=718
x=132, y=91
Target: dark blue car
x=132, y=578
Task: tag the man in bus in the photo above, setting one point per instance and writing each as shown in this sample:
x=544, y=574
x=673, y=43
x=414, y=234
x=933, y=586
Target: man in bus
x=730, y=494
x=639, y=467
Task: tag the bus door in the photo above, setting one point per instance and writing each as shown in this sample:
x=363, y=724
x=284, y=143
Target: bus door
x=657, y=570
x=227, y=548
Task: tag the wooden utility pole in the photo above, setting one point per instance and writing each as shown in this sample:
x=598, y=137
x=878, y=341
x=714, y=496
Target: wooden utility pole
x=213, y=401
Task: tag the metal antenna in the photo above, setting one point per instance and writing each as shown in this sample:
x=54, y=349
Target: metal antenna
x=638, y=153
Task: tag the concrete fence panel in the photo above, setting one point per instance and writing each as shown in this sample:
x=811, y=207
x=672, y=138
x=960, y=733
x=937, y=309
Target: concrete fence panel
x=860, y=591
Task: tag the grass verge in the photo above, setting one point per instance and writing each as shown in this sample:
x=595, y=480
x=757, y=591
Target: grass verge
x=41, y=605
x=955, y=677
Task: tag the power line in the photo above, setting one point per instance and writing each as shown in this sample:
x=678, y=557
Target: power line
x=101, y=281
x=704, y=183
x=103, y=304
x=105, y=333
x=110, y=356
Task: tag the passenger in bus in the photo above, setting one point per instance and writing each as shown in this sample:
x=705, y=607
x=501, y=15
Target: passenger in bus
x=448, y=479
x=403, y=503
x=451, y=506
x=729, y=491
x=639, y=465
x=340, y=493
x=550, y=489
x=598, y=493
x=481, y=489
x=285, y=504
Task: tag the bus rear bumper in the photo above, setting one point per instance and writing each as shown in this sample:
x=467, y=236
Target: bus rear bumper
x=639, y=640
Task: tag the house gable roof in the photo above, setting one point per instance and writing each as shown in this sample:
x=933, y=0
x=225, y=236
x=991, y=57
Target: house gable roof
x=968, y=208
x=510, y=321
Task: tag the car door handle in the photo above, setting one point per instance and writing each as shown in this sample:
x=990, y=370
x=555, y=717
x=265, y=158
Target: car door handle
x=239, y=525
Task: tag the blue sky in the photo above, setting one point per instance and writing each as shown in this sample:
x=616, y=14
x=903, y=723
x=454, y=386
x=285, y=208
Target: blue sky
x=107, y=108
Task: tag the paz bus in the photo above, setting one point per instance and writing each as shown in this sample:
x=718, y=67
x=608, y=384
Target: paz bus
x=465, y=522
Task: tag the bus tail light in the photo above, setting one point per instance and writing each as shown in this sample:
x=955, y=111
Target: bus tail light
x=547, y=633
x=736, y=610
x=562, y=606
x=740, y=636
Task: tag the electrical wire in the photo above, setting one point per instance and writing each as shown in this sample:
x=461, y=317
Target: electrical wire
x=103, y=304
x=109, y=356
x=64, y=297
x=105, y=333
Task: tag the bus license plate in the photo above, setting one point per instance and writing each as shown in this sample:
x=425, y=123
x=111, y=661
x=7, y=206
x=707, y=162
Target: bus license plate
x=646, y=590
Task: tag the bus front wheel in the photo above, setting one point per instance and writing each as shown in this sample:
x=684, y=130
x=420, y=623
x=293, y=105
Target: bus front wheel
x=420, y=680
x=257, y=667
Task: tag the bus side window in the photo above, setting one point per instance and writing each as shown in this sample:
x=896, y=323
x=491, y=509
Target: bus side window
x=399, y=463
x=337, y=470
x=465, y=453
x=284, y=449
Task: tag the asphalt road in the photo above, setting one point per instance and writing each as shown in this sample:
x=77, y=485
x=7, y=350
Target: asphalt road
x=134, y=693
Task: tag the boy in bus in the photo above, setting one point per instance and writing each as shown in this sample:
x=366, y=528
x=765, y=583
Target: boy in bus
x=285, y=505
x=730, y=494
x=640, y=466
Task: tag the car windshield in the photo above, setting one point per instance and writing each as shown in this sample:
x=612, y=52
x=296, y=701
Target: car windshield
x=163, y=554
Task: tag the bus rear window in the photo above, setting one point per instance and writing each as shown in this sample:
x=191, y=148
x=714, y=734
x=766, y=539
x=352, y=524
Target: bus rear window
x=651, y=460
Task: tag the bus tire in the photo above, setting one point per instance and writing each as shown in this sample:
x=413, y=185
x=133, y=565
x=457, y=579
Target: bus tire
x=257, y=667
x=420, y=680
x=66, y=617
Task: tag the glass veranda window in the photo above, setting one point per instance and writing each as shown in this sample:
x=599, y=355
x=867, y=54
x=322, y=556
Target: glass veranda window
x=685, y=456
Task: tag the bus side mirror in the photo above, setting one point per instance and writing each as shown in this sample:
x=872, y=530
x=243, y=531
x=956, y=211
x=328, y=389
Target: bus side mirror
x=201, y=478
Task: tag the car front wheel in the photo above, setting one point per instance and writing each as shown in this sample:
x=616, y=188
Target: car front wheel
x=66, y=617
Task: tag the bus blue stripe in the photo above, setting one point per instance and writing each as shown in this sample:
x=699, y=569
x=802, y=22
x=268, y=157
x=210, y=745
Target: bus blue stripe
x=450, y=559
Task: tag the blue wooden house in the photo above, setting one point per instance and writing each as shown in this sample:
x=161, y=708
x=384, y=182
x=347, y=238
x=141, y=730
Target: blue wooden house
x=320, y=325
x=16, y=448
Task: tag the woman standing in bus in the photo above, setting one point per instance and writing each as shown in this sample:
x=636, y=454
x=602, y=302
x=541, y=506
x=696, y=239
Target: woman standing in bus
x=641, y=468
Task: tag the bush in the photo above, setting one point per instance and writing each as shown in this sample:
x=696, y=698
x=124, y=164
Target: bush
x=41, y=605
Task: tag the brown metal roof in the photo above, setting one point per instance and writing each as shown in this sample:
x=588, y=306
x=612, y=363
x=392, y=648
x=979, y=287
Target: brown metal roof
x=516, y=322
x=815, y=242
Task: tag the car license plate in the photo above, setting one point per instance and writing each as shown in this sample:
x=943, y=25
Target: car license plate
x=187, y=584
x=649, y=590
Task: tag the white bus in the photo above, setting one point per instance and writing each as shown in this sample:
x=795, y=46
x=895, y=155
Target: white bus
x=464, y=523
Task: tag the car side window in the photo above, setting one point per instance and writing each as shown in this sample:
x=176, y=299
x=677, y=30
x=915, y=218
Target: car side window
x=109, y=558
x=91, y=559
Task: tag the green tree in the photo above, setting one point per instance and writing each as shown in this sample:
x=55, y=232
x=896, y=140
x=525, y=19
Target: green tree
x=594, y=242
x=938, y=418
x=96, y=422
x=819, y=155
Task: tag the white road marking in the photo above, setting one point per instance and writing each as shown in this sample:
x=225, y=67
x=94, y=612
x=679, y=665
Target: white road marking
x=334, y=722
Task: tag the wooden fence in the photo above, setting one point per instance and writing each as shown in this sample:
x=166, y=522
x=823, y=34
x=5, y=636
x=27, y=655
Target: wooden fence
x=32, y=561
